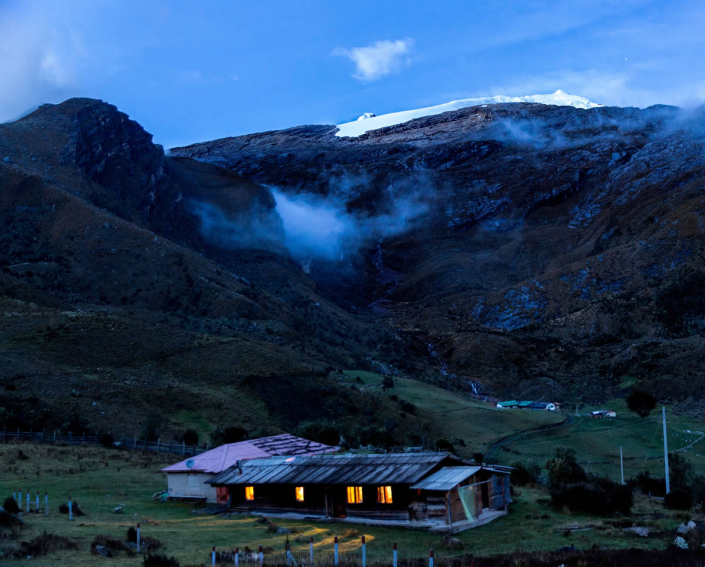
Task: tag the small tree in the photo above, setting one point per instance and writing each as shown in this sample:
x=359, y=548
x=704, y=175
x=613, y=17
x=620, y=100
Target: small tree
x=190, y=437
x=678, y=499
x=641, y=403
x=387, y=383
x=563, y=468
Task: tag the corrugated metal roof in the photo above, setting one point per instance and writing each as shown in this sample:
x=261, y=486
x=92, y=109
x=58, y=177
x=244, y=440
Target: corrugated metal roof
x=221, y=458
x=335, y=469
x=446, y=478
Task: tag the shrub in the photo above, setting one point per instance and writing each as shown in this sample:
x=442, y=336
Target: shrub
x=651, y=485
x=582, y=497
x=190, y=437
x=478, y=458
x=131, y=536
x=678, y=499
x=75, y=509
x=45, y=544
x=159, y=560
x=621, y=499
x=107, y=440
x=641, y=403
x=228, y=435
x=321, y=431
x=112, y=544
x=445, y=445
x=524, y=474
x=10, y=505
x=563, y=467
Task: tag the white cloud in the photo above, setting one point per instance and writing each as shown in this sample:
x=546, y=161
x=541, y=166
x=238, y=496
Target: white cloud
x=378, y=59
x=38, y=60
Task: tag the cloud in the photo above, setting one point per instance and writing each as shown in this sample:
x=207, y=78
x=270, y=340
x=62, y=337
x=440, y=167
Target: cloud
x=378, y=59
x=38, y=60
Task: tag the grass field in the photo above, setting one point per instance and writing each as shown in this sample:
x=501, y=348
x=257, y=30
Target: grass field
x=597, y=442
x=454, y=415
x=101, y=479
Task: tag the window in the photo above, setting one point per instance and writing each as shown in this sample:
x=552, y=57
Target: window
x=249, y=493
x=384, y=494
x=299, y=493
x=354, y=494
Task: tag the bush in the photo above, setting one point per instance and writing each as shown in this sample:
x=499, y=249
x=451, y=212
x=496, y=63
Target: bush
x=478, y=458
x=107, y=440
x=621, y=499
x=524, y=474
x=159, y=560
x=190, y=437
x=321, y=431
x=641, y=403
x=45, y=544
x=10, y=505
x=445, y=445
x=75, y=509
x=228, y=435
x=563, y=468
x=131, y=536
x=651, y=485
x=582, y=497
x=678, y=499
x=113, y=545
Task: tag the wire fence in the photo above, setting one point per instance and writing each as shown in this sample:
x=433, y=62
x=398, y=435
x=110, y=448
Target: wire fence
x=121, y=441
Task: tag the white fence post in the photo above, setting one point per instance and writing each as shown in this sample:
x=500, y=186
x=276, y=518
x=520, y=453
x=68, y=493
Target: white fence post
x=395, y=555
x=261, y=555
x=335, y=547
x=237, y=556
x=70, y=509
x=46, y=503
x=364, y=552
x=138, y=537
x=213, y=556
x=310, y=548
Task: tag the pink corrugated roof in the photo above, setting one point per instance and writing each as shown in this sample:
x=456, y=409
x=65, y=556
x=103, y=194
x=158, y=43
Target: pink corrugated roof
x=223, y=457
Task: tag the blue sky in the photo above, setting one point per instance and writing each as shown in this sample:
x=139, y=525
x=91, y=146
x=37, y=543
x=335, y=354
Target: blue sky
x=194, y=71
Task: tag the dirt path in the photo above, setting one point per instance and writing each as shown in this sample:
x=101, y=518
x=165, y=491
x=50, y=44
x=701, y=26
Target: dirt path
x=496, y=445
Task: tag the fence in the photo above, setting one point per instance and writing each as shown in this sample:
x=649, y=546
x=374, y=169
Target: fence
x=124, y=442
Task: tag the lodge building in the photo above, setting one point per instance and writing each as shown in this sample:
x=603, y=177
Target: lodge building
x=438, y=491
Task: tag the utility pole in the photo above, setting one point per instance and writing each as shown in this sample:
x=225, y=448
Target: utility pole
x=665, y=451
x=621, y=463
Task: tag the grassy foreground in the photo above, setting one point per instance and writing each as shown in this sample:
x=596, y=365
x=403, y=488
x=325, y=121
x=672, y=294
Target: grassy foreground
x=101, y=479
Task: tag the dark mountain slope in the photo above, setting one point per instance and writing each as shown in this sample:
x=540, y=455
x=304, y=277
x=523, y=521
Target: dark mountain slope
x=116, y=299
x=554, y=245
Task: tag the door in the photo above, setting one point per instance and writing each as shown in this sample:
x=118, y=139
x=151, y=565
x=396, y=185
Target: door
x=485, y=490
x=222, y=494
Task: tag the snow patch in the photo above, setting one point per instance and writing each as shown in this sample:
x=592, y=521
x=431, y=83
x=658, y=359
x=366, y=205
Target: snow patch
x=369, y=121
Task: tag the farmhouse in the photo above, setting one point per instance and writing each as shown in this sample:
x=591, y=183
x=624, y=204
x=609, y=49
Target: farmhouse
x=510, y=404
x=438, y=491
x=188, y=478
x=603, y=414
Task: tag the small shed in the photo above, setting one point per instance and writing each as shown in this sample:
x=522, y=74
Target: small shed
x=189, y=478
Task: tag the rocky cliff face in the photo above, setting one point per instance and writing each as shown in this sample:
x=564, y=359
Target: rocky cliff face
x=553, y=241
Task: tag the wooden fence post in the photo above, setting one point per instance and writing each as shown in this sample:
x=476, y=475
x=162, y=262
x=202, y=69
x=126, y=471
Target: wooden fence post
x=237, y=556
x=394, y=562
x=364, y=553
x=213, y=556
x=335, y=547
x=310, y=549
x=70, y=509
x=46, y=503
x=430, y=558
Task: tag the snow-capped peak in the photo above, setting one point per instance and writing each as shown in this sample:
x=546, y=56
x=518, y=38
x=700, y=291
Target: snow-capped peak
x=369, y=121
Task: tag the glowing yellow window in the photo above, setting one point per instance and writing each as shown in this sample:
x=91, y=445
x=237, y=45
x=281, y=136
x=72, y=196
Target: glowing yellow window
x=354, y=494
x=249, y=493
x=299, y=493
x=384, y=494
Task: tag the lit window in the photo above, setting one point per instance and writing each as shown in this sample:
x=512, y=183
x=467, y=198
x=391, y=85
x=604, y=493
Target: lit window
x=299, y=493
x=249, y=493
x=354, y=494
x=384, y=494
